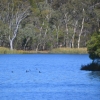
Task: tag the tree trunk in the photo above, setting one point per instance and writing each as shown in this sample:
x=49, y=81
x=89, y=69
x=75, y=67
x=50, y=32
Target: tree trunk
x=80, y=33
x=44, y=38
x=46, y=1
x=11, y=44
x=57, y=32
x=26, y=42
x=67, y=31
x=39, y=38
x=72, y=43
x=37, y=47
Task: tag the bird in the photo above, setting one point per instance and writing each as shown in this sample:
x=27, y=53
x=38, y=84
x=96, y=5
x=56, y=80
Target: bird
x=12, y=71
x=27, y=71
x=39, y=71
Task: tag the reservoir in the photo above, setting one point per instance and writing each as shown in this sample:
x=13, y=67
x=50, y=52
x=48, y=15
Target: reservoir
x=47, y=77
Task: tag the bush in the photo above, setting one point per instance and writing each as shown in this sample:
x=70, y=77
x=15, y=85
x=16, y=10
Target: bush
x=91, y=67
x=93, y=46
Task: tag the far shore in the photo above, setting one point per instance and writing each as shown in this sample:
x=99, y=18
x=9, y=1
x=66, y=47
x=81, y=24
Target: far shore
x=4, y=50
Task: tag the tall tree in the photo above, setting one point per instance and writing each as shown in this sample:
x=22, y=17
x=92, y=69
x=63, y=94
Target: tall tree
x=15, y=12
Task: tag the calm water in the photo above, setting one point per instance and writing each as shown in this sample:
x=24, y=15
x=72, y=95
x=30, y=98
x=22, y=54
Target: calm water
x=47, y=77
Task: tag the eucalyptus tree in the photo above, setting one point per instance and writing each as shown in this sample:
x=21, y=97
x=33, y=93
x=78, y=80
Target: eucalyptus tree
x=81, y=30
x=44, y=11
x=73, y=36
x=3, y=35
x=70, y=19
x=26, y=35
x=13, y=12
x=97, y=12
x=51, y=23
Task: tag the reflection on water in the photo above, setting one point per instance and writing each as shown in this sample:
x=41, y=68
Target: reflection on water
x=95, y=74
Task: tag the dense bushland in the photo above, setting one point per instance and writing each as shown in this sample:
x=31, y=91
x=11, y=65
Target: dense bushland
x=40, y=25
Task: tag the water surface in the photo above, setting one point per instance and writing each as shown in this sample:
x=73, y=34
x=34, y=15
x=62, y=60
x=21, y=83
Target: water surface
x=47, y=77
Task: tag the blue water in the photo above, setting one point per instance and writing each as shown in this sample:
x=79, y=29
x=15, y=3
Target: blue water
x=47, y=77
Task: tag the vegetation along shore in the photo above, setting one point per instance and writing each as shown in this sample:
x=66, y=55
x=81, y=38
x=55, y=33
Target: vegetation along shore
x=4, y=50
x=46, y=25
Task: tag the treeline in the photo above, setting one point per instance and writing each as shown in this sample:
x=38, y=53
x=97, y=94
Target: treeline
x=47, y=24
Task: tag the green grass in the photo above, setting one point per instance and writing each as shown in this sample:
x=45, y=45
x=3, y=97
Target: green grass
x=4, y=50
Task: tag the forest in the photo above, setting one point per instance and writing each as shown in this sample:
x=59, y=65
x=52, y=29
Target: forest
x=47, y=24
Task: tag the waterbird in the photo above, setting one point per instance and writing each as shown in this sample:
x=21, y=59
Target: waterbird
x=12, y=71
x=27, y=71
x=39, y=72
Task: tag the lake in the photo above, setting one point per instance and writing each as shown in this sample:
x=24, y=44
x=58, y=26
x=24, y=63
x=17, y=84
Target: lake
x=47, y=77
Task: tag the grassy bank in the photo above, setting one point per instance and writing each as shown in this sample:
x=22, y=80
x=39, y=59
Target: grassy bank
x=4, y=50
x=57, y=50
x=70, y=50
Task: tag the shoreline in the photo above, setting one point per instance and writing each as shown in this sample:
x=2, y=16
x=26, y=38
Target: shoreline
x=91, y=67
x=4, y=50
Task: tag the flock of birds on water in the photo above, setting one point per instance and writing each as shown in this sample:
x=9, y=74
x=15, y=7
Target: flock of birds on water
x=27, y=71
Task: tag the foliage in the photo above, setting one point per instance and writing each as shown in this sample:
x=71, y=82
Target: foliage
x=93, y=46
x=49, y=24
x=91, y=67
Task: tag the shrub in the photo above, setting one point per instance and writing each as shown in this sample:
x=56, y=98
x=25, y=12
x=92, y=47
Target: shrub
x=91, y=67
x=93, y=46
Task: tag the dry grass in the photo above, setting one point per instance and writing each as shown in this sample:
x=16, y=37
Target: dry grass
x=4, y=50
x=70, y=50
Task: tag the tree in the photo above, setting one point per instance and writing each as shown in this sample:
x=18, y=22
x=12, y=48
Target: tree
x=13, y=12
x=52, y=23
x=93, y=46
x=3, y=34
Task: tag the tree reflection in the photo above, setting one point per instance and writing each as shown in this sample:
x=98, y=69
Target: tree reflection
x=95, y=74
